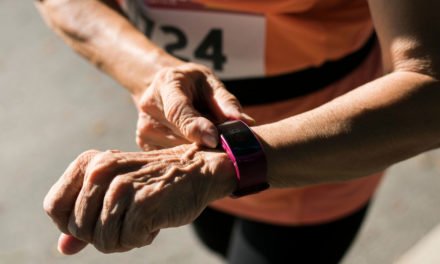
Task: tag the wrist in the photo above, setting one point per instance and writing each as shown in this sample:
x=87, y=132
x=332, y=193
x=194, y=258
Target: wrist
x=246, y=152
x=222, y=171
x=270, y=150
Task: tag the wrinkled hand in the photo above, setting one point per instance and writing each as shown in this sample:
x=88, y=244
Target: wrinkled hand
x=119, y=201
x=181, y=106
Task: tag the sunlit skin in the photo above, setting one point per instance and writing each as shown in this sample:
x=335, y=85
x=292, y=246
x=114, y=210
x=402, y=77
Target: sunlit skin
x=374, y=126
x=171, y=186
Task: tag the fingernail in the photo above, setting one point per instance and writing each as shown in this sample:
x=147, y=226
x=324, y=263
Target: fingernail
x=209, y=140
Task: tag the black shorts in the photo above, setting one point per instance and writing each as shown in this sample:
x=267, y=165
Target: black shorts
x=242, y=241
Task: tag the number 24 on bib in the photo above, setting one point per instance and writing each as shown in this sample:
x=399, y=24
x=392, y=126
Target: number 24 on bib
x=231, y=44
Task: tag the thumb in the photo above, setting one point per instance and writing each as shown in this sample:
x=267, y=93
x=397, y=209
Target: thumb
x=230, y=107
x=180, y=112
x=69, y=245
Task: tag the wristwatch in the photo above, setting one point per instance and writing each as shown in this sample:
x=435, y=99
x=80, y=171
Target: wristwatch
x=247, y=154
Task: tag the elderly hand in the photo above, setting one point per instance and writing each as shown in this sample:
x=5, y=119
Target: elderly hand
x=180, y=106
x=119, y=201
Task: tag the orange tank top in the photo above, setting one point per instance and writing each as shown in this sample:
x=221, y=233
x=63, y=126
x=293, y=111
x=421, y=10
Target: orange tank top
x=319, y=203
x=253, y=38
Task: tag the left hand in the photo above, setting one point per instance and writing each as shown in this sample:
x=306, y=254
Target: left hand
x=119, y=201
x=181, y=105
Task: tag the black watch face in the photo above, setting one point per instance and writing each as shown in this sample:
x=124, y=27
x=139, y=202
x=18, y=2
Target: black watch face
x=241, y=140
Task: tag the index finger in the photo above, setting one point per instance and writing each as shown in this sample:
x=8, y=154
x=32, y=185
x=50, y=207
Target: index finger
x=179, y=110
x=61, y=198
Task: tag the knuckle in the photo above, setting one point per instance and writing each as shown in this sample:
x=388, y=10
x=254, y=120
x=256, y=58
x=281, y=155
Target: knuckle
x=168, y=74
x=102, y=157
x=88, y=153
x=119, y=185
x=172, y=74
x=84, y=158
x=119, y=188
x=199, y=67
x=54, y=209
x=161, y=73
x=194, y=71
x=101, y=164
x=49, y=206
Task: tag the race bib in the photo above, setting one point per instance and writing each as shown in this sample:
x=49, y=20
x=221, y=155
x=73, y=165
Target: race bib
x=232, y=44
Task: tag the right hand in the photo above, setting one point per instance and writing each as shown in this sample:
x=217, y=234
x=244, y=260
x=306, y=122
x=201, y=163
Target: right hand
x=120, y=200
x=181, y=105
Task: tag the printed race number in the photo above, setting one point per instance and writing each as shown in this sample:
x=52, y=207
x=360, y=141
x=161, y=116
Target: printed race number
x=210, y=49
x=230, y=44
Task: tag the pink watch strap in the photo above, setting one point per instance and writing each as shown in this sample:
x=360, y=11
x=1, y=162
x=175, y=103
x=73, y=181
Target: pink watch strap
x=247, y=155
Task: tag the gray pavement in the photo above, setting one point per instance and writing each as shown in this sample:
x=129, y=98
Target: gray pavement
x=53, y=105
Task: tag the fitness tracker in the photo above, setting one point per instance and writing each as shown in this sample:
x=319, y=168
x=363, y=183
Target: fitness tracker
x=247, y=155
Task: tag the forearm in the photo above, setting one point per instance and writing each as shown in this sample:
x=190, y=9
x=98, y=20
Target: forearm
x=108, y=40
x=365, y=131
x=376, y=125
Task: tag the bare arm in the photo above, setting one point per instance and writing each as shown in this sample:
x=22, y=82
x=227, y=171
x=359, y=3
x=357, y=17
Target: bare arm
x=382, y=122
x=376, y=125
x=366, y=130
x=105, y=38
x=167, y=91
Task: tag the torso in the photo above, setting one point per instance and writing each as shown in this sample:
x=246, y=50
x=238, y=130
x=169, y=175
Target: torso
x=253, y=38
x=256, y=38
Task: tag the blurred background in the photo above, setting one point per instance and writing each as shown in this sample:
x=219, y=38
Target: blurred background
x=53, y=106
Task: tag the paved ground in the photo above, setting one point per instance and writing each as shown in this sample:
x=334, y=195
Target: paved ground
x=53, y=106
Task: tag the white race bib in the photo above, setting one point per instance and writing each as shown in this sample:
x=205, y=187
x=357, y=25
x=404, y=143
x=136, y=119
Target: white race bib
x=232, y=44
